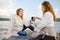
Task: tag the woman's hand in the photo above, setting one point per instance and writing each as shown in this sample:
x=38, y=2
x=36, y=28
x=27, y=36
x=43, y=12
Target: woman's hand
x=35, y=31
x=43, y=28
x=37, y=18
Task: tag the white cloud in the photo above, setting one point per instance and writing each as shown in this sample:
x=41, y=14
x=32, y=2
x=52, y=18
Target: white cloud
x=6, y=7
x=5, y=4
x=5, y=12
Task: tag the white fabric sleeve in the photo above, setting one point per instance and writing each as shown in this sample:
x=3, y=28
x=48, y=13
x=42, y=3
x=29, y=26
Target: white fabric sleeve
x=18, y=21
x=46, y=20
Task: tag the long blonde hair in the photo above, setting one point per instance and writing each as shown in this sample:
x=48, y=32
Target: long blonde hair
x=17, y=12
x=49, y=8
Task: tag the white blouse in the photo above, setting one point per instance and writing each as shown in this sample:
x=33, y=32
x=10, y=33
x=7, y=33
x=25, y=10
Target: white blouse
x=46, y=20
x=16, y=24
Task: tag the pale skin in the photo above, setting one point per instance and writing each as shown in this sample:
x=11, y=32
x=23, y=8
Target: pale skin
x=21, y=13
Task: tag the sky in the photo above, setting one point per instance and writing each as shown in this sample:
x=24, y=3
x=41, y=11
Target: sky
x=31, y=7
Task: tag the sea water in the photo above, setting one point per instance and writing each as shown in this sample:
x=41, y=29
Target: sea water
x=7, y=24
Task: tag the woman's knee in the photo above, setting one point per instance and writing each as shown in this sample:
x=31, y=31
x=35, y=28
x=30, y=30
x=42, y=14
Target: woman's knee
x=31, y=27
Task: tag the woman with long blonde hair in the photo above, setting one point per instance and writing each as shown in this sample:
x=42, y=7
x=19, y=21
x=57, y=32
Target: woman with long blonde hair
x=48, y=19
x=17, y=21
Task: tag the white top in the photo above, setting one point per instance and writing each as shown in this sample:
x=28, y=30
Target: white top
x=16, y=24
x=46, y=20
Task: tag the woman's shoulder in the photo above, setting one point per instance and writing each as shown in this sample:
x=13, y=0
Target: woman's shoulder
x=49, y=14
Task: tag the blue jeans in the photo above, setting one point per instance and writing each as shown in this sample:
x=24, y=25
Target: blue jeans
x=23, y=33
x=30, y=27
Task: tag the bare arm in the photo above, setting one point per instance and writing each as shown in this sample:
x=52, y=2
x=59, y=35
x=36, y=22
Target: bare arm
x=38, y=18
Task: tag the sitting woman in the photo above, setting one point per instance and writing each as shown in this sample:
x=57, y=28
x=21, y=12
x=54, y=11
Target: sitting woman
x=17, y=21
x=31, y=26
x=47, y=22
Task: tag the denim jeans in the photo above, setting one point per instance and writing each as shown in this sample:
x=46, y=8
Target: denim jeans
x=30, y=27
